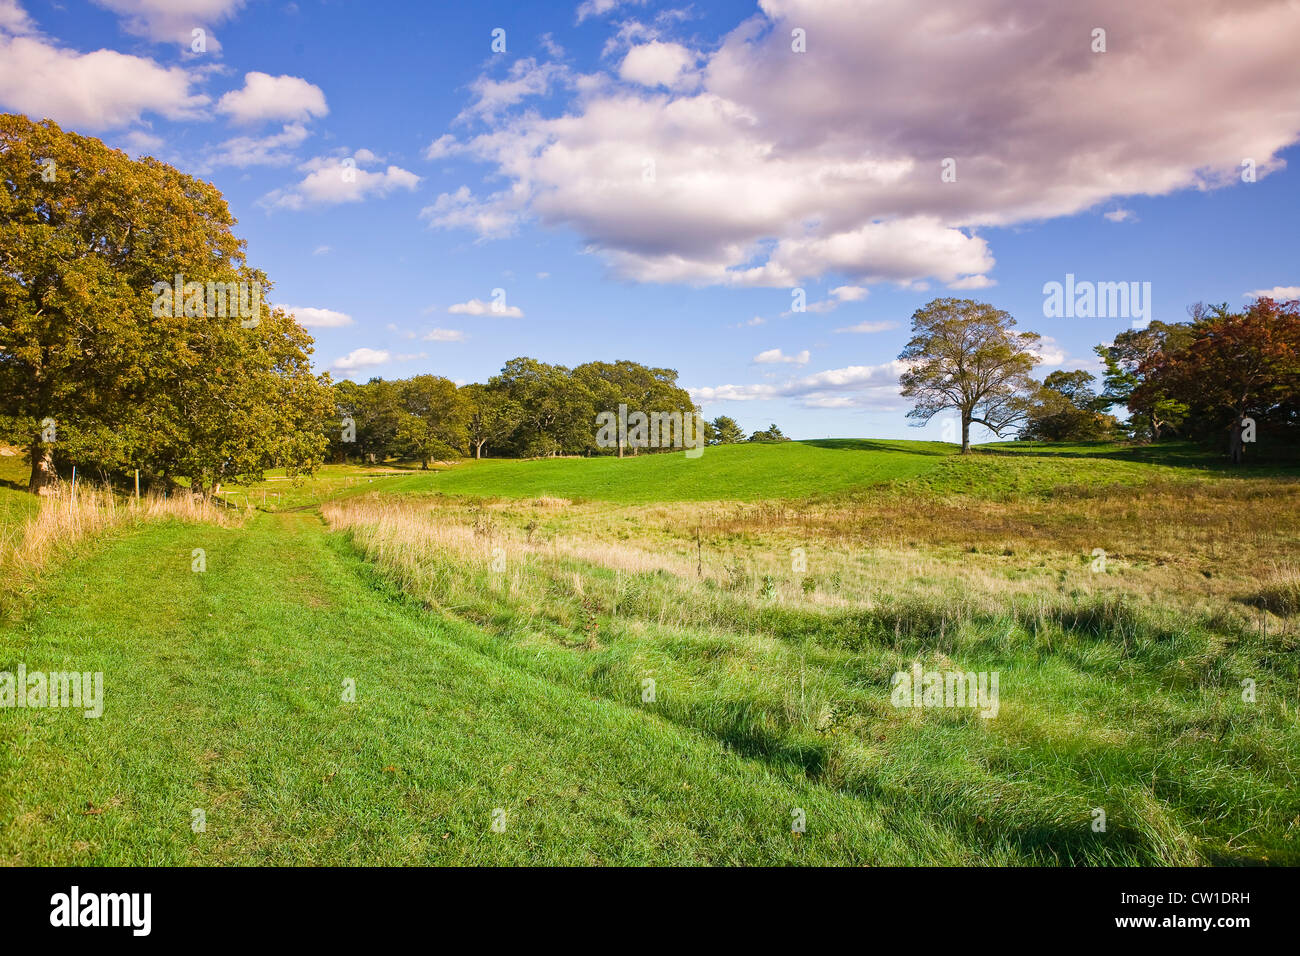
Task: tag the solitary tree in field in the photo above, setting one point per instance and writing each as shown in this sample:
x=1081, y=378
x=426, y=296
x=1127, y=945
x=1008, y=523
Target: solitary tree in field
x=964, y=355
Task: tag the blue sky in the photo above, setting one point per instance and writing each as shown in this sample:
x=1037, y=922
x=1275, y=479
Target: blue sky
x=770, y=169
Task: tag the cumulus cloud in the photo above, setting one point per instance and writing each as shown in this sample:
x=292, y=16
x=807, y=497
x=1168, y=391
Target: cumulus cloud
x=479, y=307
x=313, y=318
x=265, y=97
x=444, y=335
x=659, y=64
x=92, y=91
x=1048, y=352
x=1282, y=293
x=856, y=386
x=340, y=179
x=779, y=167
x=361, y=358
x=776, y=356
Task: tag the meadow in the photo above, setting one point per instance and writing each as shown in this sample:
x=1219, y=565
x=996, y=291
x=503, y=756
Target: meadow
x=668, y=660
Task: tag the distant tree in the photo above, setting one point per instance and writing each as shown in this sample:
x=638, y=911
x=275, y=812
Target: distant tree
x=771, y=433
x=1238, y=366
x=1066, y=408
x=723, y=431
x=434, y=419
x=965, y=355
x=1124, y=359
x=375, y=409
x=639, y=387
x=556, y=409
x=491, y=416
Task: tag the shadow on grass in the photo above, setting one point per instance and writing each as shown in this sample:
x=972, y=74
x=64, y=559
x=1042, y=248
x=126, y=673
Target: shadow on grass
x=933, y=449
x=1178, y=454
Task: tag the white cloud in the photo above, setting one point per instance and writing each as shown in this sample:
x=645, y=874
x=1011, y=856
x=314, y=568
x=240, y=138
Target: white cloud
x=171, y=21
x=14, y=19
x=140, y=142
x=339, y=179
x=313, y=318
x=598, y=8
x=444, y=145
x=321, y=251
x=266, y=97
x=361, y=358
x=856, y=386
x=92, y=91
x=1121, y=215
x=272, y=150
x=776, y=356
x=1282, y=293
x=660, y=64
x=479, y=307
x=1048, y=352
x=850, y=293
x=445, y=335
x=525, y=78
x=491, y=218
x=868, y=327
x=779, y=168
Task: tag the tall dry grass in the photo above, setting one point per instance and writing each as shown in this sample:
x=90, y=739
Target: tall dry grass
x=66, y=519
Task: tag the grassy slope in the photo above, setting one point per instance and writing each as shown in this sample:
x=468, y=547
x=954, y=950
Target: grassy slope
x=794, y=470
x=223, y=693
x=737, y=472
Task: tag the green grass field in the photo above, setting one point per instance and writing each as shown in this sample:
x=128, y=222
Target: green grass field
x=500, y=620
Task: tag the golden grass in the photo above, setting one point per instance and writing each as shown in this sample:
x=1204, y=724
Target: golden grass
x=1217, y=549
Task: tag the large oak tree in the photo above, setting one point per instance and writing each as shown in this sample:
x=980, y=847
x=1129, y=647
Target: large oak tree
x=966, y=355
x=89, y=373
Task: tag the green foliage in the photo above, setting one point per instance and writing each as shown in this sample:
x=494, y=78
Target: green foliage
x=965, y=355
x=1127, y=360
x=178, y=394
x=770, y=433
x=723, y=430
x=1066, y=408
x=1227, y=367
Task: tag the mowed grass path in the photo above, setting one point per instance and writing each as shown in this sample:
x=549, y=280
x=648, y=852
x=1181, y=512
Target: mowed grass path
x=730, y=472
x=223, y=693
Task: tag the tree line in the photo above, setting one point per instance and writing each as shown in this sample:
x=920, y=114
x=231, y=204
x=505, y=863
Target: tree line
x=1224, y=377
x=530, y=409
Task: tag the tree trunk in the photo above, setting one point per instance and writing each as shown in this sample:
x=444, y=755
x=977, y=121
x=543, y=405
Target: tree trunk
x=1236, y=448
x=43, y=477
x=478, y=449
x=965, y=434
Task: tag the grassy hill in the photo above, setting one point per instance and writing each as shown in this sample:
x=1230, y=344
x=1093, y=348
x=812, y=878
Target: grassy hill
x=745, y=472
